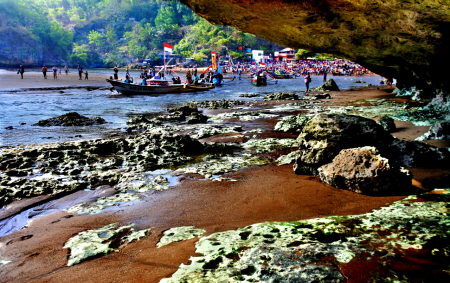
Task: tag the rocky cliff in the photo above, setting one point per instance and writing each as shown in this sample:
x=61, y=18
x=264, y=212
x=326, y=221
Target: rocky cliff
x=404, y=39
x=19, y=49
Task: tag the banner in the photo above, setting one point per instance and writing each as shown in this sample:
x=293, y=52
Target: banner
x=168, y=48
x=214, y=60
x=261, y=64
x=219, y=69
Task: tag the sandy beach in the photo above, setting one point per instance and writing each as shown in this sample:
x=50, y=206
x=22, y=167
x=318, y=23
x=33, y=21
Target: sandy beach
x=37, y=254
x=10, y=80
x=35, y=79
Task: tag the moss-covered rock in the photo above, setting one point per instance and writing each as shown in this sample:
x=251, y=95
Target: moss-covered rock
x=94, y=243
x=436, y=111
x=324, y=136
x=197, y=118
x=71, y=166
x=71, y=119
x=387, y=123
x=281, y=96
x=185, y=110
x=315, y=250
x=293, y=123
x=242, y=115
x=269, y=144
x=438, y=131
x=329, y=85
x=179, y=234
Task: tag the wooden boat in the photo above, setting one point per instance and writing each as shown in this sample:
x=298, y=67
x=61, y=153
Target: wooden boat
x=283, y=76
x=200, y=86
x=259, y=80
x=157, y=89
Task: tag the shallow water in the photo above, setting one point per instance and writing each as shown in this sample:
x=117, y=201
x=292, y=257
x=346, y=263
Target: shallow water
x=19, y=220
x=22, y=109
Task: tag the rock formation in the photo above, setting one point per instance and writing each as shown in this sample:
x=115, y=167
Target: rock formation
x=387, y=123
x=325, y=135
x=196, y=118
x=90, y=163
x=407, y=40
x=293, y=123
x=438, y=131
x=362, y=170
x=329, y=85
x=281, y=96
x=71, y=119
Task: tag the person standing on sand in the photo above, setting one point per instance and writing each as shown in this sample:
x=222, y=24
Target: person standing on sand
x=307, y=81
x=44, y=71
x=59, y=70
x=116, y=73
x=66, y=69
x=86, y=75
x=55, y=72
x=324, y=75
x=21, y=71
x=80, y=71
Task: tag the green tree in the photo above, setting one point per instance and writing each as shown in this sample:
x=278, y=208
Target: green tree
x=166, y=16
x=96, y=39
x=198, y=57
x=302, y=53
x=79, y=58
x=112, y=60
x=111, y=36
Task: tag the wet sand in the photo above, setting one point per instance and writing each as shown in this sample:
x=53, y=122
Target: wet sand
x=36, y=80
x=37, y=252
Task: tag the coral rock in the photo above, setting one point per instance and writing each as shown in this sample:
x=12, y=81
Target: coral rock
x=362, y=170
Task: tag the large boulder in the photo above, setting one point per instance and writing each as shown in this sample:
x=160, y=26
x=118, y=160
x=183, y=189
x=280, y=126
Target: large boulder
x=325, y=135
x=362, y=170
x=329, y=85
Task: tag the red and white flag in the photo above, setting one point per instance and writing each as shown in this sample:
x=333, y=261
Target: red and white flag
x=168, y=48
x=261, y=64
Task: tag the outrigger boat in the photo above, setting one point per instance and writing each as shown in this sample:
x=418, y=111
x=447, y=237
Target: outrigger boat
x=159, y=88
x=260, y=78
x=157, y=85
x=283, y=76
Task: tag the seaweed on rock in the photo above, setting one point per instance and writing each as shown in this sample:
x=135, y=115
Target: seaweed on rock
x=316, y=248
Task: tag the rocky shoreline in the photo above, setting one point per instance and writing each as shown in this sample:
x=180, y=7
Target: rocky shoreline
x=198, y=158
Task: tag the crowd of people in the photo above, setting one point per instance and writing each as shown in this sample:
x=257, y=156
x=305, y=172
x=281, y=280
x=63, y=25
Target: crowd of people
x=313, y=67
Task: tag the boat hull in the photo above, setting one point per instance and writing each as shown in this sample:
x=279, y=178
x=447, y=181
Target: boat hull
x=131, y=89
x=284, y=76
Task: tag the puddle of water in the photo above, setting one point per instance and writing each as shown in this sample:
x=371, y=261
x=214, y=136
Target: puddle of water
x=19, y=221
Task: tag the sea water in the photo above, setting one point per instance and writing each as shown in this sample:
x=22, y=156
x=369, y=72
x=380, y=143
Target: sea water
x=23, y=109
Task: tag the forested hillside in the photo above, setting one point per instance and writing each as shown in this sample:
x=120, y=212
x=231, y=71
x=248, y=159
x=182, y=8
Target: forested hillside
x=27, y=36
x=108, y=32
